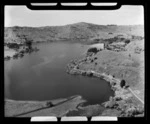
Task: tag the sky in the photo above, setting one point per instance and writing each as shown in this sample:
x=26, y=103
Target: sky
x=22, y=16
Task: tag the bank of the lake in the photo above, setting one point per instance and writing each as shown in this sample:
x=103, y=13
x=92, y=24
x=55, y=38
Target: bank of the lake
x=124, y=103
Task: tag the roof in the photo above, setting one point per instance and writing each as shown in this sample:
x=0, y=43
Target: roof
x=98, y=45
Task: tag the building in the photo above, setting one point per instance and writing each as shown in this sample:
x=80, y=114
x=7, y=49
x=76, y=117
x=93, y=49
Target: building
x=99, y=46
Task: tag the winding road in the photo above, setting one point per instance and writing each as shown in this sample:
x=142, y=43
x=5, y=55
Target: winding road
x=135, y=95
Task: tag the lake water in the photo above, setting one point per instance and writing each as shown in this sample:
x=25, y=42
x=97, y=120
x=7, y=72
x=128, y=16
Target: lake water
x=42, y=76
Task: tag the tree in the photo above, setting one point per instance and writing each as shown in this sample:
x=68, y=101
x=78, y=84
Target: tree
x=29, y=44
x=129, y=55
x=127, y=41
x=28, y=41
x=93, y=50
x=122, y=83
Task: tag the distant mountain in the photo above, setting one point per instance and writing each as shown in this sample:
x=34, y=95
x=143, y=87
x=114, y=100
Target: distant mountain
x=77, y=32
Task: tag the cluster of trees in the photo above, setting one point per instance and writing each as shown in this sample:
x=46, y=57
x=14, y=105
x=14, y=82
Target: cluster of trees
x=93, y=50
x=28, y=43
x=127, y=41
x=16, y=46
x=12, y=45
x=122, y=83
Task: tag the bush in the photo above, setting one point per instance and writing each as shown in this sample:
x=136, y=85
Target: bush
x=129, y=55
x=93, y=50
x=28, y=43
x=83, y=73
x=111, y=103
x=49, y=104
x=15, y=56
x=127, y=41
x=77, y=67
x=7, y=58
x=13, y=45
x=90, y=74
x=122, y=83
x=95, y=58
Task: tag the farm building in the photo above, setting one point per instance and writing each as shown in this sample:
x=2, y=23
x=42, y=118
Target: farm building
x=118, y=43
x=99, y=46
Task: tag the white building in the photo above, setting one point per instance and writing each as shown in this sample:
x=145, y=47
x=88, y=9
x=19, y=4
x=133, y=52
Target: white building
x=99, y=46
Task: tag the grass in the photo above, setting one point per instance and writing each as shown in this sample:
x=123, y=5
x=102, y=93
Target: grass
x=36, y=108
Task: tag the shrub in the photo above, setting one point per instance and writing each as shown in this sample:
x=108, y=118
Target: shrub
x=29, y=43
x=7, y=58
x=13, y=45
x=122, y=83
x=95, y=58
x=77, y=67
x=111, y=103
x=93, y=50
x=129, y=55
x=127, y=41
x=15, y=56
x=49, y=104
x=90, y=74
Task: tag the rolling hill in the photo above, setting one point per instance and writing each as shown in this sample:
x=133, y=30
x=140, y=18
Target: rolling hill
x=77, y=32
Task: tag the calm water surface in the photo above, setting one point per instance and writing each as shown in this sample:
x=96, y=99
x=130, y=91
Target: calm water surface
x=42, y=76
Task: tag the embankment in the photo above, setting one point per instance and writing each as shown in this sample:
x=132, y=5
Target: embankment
x=123, y=101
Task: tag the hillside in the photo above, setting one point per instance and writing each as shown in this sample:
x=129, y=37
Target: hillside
x=82, y=32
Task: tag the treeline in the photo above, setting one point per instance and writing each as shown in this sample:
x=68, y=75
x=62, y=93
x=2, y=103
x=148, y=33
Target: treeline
x=16, y=46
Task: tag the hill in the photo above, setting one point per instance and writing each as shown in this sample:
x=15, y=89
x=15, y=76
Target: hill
x=77, y=32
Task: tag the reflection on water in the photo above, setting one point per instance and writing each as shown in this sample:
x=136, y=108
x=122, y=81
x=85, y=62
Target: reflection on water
x=42, y=76
x=61, y=56
x=46, y=60
x=7, y=68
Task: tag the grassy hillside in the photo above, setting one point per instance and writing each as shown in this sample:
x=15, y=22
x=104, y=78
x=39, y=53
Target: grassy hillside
x=82, y=32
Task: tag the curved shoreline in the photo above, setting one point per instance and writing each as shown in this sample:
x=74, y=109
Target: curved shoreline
x=121, y=94
x=14, y=108
x=116, y=102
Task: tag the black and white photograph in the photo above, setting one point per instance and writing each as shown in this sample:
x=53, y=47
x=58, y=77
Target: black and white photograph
x=73, y=63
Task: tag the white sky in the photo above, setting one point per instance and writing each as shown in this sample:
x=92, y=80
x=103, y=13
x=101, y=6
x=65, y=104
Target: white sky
x=22, y=16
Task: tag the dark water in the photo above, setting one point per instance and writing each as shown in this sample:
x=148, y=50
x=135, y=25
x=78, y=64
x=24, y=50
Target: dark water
x=42, y=76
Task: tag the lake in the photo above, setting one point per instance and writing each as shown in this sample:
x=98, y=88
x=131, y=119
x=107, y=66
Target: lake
x=42, y=75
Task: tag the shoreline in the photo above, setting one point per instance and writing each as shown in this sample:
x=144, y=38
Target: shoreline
x=19, y=53
x=17, y=108
x=121, y=94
